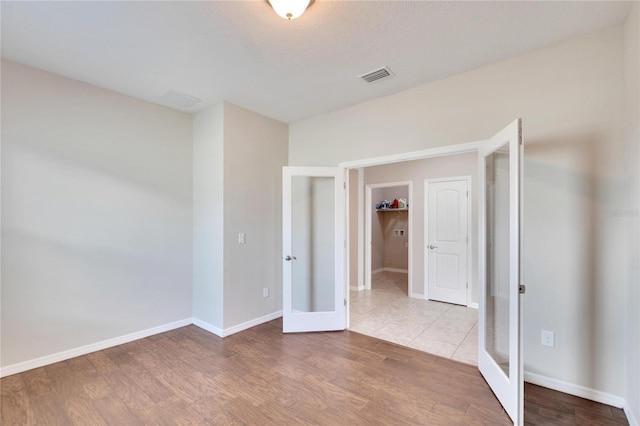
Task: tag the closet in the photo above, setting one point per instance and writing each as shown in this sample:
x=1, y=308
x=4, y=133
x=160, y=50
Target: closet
x=389, y=229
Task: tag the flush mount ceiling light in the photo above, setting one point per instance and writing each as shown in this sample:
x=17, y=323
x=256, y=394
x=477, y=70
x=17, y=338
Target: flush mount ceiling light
x=290, y=9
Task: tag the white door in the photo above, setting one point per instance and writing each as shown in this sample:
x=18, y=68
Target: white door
x=500, y=345
x=313, y=240
x=447, y=227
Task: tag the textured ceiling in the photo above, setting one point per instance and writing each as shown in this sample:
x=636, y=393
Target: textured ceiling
x=242, y=52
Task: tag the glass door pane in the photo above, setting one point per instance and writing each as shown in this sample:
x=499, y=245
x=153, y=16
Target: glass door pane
x=497, y=266
x=313, y=243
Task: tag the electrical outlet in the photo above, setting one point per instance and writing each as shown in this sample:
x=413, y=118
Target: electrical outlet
x=547, y=338
x=265, y=292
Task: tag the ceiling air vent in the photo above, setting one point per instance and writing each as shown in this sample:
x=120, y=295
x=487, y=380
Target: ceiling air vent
x=377, y=75
x=174, y=99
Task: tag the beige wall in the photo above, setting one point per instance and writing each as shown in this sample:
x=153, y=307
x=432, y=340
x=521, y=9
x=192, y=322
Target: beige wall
x=96, y=215
x=255, y=150
x=208, y=217
x=571, y=98
x=238, y=160
x=417, y=172
x=632, y=91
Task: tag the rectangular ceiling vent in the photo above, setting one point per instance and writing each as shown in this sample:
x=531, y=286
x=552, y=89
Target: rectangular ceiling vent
x=174, y=99
x=376, y=75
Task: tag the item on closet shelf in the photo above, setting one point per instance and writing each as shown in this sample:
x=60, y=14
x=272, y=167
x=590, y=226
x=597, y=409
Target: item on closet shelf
x=402, y=203
x=383, y=205
x=395, y=204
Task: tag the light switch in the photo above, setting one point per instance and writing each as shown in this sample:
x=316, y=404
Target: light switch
x=241, y=238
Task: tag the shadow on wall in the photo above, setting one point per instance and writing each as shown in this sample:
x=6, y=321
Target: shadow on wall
x=566, y=264
x=91, y=249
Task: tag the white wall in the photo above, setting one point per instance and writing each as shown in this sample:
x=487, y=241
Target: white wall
x=417, y=171
x=632, y=91
x=255, y=150
x=96, y=214
x=208, y=215
x=571, y=97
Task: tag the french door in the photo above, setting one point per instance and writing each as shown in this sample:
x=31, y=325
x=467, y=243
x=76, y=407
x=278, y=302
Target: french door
x=313, y=252
x=500, y=325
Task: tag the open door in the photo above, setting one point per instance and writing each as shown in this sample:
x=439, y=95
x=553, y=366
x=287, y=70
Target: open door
x=313, y=240
x=500, y=344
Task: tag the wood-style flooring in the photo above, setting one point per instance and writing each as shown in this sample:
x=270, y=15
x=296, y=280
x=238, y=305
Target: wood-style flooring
x=262, y=377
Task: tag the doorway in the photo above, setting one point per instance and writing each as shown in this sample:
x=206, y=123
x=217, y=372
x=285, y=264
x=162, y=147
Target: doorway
x=388, y=231
x=384, y=310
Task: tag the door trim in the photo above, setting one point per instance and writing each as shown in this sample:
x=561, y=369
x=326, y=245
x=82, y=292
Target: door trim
x=398, y=158
x=367, y=230
x=470, y=276
x=415, y=155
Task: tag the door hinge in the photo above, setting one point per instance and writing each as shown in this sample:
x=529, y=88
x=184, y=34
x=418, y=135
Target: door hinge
x=467, y=286
x=345, y=302
x=344, y=185
x=467, y=194
x=521, y=288
x=520, y=132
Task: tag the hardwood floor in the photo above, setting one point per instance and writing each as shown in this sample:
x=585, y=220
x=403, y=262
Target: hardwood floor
x=262, y=377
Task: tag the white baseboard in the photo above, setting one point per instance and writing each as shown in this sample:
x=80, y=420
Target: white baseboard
x=473, y=305
x=631, y=418
x=98, y=346
x=576, y=390
x=87, y=349
x=402, y=271
x=208, y=327
x=236, y=328
x=251, y=323
x=582, y=392
x=417, y=296
x=357, y=287
x=377, y=271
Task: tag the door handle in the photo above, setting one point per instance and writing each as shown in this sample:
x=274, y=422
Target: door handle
x=433, y=247
x=289, y=258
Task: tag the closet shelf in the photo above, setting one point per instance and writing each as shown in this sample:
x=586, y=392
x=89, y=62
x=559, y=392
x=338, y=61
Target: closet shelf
x=393, y=210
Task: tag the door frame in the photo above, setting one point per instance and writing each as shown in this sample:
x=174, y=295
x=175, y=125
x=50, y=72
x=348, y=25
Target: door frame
x=462, y=148
x=477, y=147
x=368, y=232
x=470, y=277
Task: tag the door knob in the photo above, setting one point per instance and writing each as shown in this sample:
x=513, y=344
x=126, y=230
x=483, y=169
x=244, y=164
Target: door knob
x=289, y=258
x=433, y=247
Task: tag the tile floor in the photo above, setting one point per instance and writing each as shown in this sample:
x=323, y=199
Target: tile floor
x=386, y=312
